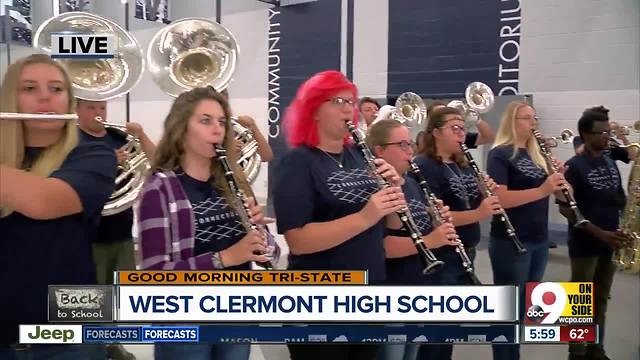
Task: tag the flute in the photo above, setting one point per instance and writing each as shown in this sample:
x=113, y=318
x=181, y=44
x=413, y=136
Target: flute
x=38, y=116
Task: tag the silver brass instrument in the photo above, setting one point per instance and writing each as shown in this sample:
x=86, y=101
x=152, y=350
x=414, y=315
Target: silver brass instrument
x=241, y=201
x=28, y=116
x=409, y=109
x=628, y=258
x=553, y=167
x=131, y=172
x=566, y=137
x=95, y=79
x=198, y=52
x=249, y=160
x=502, y=216
x=438, y=220
x=479, y=99
x=430, y=262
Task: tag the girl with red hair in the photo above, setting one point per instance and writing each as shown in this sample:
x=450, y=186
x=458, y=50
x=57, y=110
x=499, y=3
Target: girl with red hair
x=328, y=204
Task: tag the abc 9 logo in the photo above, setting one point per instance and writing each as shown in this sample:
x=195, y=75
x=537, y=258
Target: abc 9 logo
x=547, y=299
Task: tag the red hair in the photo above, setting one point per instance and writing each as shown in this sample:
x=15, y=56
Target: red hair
x=300, y=126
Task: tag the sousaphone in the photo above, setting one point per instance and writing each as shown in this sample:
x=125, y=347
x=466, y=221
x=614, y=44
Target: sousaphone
x=198, y=52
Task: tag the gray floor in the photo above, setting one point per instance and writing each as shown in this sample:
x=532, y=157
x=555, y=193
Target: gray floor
x=623, y=319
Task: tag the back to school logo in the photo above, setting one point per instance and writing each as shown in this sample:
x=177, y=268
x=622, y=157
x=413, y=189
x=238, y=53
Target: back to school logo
x=559, y=303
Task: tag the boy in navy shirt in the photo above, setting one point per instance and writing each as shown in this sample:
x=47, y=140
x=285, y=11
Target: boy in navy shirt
x=598, y=191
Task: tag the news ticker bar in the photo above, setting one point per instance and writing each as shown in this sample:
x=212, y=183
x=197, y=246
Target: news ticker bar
x=350, y=333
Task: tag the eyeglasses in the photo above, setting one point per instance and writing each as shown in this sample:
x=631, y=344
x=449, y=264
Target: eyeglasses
x=603, y=132
x=529, y=118
x=456, y=129
x=340, y=101
x=404, y=144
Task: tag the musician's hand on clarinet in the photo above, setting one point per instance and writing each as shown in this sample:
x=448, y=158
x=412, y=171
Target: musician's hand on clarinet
x=383, y=203
x=554, y=183
x=489, y=206
x=245, y=250
x=256, y=216
x=491, y=184
x=443, y=235
x=560, y=166
x=445, y=212
x=388, y=172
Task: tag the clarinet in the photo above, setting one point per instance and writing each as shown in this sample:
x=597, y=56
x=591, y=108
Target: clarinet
x=240, y=198
x=580, y=220
x=438, y=220
x=502, y=215
x=429, y=260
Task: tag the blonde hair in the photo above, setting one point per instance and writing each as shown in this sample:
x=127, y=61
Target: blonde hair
x=506, y=135
x=170, y=149
x=12, y=132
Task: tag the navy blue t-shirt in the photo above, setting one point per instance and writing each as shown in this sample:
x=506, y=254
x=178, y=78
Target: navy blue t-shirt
x=519, y=173
x=458, y=188
x=36, y=253
x=218, y=226
x=408, y=269
x=116, y=227
x=310, y=187
x=597, y=189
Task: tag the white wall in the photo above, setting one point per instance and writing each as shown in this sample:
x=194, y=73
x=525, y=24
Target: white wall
x=576, y=54
x=370, y=46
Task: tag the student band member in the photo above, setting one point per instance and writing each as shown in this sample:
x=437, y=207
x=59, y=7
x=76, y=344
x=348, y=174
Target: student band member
x=113, y=244
x=327, y=204
x=617, y=153
x=368, y=109
x=391, y=141
x=186, y=204
x=113, y=247
x=517, y=165
x=51, y=190
x=485, y=134
x=441, y=160
x=600, y=196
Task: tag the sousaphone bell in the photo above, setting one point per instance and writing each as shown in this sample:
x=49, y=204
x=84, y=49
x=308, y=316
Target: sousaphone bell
x=198, y=52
